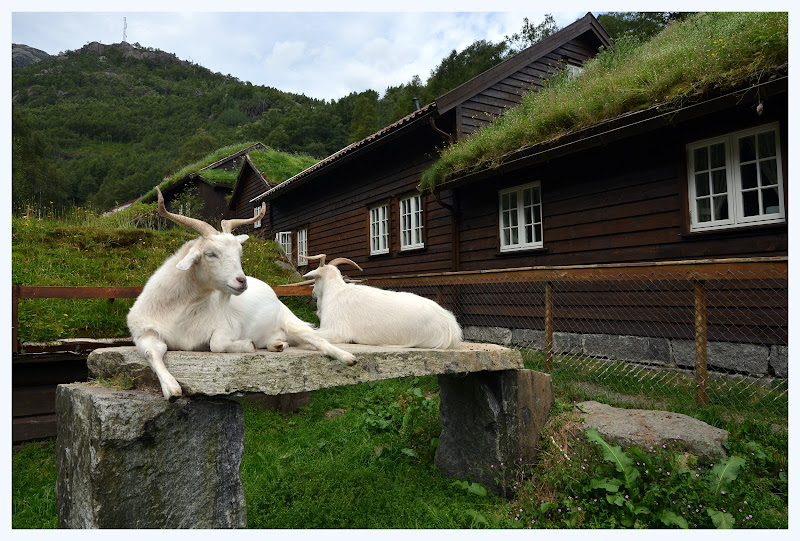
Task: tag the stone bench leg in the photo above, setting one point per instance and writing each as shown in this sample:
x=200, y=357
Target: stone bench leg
x=130, y=459
x=489, y=419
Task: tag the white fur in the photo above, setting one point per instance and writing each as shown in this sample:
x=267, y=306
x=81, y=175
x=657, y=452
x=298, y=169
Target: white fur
x=200, y=300
x=361, y=314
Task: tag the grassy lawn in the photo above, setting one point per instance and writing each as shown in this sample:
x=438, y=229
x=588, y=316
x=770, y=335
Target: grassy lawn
x=362, y=457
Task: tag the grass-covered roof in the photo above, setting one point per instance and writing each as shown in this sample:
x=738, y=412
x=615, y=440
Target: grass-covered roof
x=276, y=166
x=705, y=54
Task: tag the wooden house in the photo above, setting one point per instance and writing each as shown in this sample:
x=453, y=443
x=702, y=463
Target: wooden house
x=211, y=195
x=705, y=181
x=329, y=207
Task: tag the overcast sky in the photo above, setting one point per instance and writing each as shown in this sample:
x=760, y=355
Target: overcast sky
x=319, y=53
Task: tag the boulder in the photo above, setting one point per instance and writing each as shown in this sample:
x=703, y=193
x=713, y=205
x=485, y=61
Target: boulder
x=645, y=428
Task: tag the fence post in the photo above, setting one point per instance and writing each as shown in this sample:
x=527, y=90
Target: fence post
x=15, y=319
x=548, y=327
x=701, y=343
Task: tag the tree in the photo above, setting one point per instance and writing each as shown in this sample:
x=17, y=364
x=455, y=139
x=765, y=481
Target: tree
x=459, y=68
x=530, y=34
x=365, y=116
x=199, y=145
x=641, y=24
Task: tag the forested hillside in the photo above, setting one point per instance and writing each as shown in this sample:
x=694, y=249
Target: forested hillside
x=103, y=124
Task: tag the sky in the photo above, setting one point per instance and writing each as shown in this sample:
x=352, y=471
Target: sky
x=313, y=51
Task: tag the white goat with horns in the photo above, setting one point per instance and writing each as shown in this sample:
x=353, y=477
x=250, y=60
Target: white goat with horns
x=361, y=314
x=200, y=300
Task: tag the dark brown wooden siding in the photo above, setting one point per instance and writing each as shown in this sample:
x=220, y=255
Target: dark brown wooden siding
x=486, y=106
x=250, y=186
x=621, y=203
x=335, y=210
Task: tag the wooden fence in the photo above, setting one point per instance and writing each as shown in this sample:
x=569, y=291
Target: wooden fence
x=732, y=300
x=748, y=299
x=37, y=371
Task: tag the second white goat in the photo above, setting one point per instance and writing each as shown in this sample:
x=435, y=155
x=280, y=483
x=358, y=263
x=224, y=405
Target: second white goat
x=361, y=314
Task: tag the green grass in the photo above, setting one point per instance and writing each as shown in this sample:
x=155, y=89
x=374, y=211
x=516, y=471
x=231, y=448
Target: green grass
x=362, y=457
x=83, y=249
x=278, y=166
x=705, y=54
x=578, y=378
x=33, y=482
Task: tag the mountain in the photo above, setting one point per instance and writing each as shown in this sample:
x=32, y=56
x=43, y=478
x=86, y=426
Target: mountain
x=103, y=124
x=22, y=55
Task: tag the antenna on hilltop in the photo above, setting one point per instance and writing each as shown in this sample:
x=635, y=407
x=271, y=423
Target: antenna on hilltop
x=124, y=29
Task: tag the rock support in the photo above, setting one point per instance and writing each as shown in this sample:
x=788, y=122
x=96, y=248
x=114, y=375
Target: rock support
x=130, y=459
x=491, y=423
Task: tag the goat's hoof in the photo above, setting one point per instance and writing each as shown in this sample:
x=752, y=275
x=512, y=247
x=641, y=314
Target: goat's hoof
x=277, y=346
x=351, y=362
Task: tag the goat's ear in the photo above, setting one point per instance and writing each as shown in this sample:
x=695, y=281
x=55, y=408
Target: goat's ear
x=311, y=274
x=242, y=238
x=189, y=259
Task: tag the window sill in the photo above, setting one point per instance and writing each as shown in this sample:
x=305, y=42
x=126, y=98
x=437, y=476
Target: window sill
x=732, y=231
x=524, y=252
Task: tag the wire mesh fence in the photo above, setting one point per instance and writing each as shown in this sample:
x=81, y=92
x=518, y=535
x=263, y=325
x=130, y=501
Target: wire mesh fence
x=707, y=337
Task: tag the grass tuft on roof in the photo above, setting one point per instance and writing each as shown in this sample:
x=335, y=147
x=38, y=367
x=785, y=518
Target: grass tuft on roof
x=205, y=161
x=276, y=166
x=705, y=54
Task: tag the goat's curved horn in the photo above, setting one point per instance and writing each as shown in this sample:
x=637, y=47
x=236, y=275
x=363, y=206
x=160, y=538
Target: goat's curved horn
x=340, y=260
x=228, y=226
x=320, y=258
x=199, y=226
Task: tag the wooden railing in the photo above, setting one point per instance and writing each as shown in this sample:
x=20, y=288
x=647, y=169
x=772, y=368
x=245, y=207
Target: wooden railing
x=696, y=274
x=99, y=292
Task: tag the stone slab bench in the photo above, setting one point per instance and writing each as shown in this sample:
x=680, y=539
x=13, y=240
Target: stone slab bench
x=132, y=459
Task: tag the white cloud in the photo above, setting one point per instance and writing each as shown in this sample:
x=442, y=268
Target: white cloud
x=324, y=55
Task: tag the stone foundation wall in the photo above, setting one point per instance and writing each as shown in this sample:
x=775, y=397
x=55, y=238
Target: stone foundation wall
x=754, y=360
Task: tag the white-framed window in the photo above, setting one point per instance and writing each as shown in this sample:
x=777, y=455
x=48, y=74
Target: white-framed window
x=736, y=179
x=256, y=210
x=411, y=223
x=284, y=239
x=574, y=71
x=521, y=217
x=302, y=246
x=379, y=229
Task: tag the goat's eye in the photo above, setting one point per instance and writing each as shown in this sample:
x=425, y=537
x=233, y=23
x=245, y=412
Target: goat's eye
x=211, y=255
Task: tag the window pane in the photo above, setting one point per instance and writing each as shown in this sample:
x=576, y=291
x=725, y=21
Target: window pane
x=750, y=203
x=703, y=210
x=537, y=214
x=701, y=185
x=527, y=197
x=747, y=148
x=537, y=232
x=749, y=176
x=766, y=145
x=701, y=159
x=719, y=182
x=770, y=201
x=769, y=172
x=528, y=234
x=721, y=207
x=718, y=155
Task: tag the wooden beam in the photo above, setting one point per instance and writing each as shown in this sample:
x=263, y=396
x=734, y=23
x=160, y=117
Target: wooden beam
x=701, y=343
x=548, y=327
x=768, y=267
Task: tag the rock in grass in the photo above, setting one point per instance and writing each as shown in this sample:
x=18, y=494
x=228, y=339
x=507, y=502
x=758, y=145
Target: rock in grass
x=643, y=428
